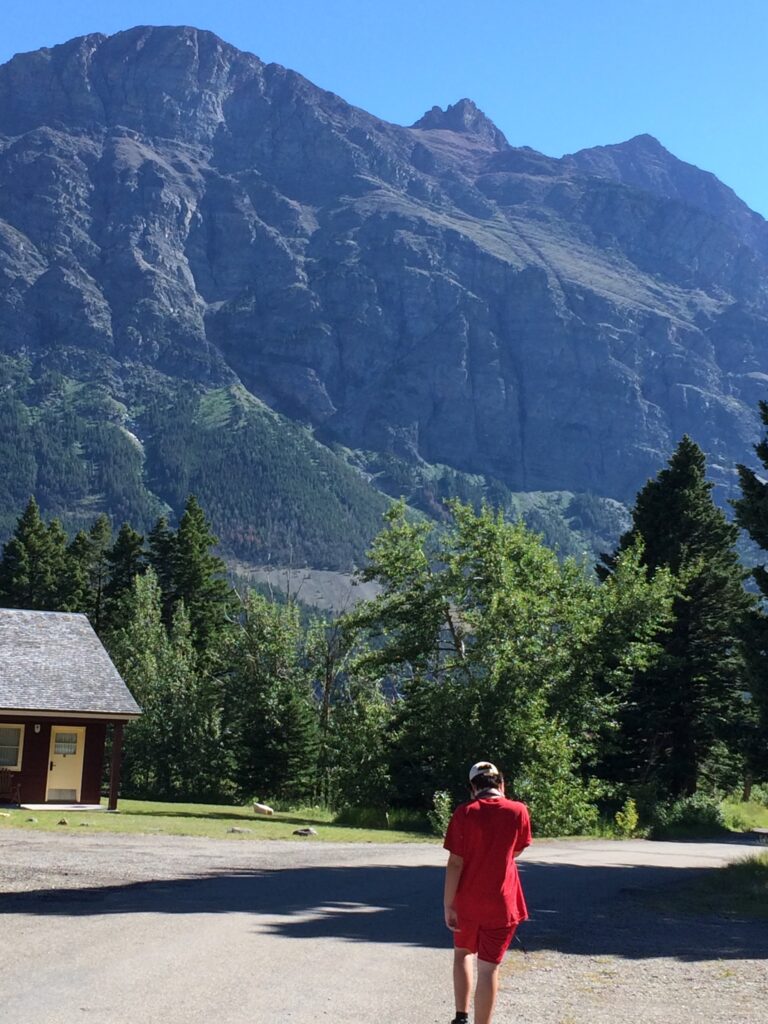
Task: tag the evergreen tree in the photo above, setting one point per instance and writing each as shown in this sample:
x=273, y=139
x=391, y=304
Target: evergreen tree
x=199, y=576
x=691, y=700
x=752, y=515
x=100, y=539
x=75, y=591
x=296, y=748
x=270, y=711
x=33, y=563
x=126, y=560
x=160, y=557
x=752, y=508
x=88, y=571
x=62, y=596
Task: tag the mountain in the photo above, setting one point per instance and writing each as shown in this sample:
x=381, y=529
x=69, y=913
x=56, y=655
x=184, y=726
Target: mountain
x=423, y=310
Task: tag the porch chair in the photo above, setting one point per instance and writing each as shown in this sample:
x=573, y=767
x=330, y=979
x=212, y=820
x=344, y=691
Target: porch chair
x=10, y=788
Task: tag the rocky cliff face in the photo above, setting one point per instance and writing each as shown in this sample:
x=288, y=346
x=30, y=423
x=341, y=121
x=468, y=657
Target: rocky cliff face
x=168, y=201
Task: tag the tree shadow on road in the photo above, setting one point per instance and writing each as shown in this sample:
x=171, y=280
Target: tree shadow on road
x=578, y=910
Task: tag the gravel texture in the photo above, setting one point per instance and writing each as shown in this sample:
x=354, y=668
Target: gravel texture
x=114, y=929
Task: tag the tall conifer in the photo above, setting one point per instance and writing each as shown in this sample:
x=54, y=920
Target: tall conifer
x=87, y=571
x=99, y=539
x=126, y=560
x=74, y=592
x=692, y=700
x=272, y=717
x=752, y=515
x=199, y=576
x=160, y=557
x=32, y=563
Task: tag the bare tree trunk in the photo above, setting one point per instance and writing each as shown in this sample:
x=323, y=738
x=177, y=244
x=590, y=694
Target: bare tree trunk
x=746, y=792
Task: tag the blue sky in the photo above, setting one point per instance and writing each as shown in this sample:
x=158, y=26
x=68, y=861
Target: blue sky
x=557, y=75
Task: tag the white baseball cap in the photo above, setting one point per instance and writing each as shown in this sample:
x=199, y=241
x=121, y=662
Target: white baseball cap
x=482, y=768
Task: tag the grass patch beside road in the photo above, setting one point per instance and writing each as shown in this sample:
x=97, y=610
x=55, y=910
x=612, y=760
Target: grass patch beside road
x=739, y=889
x=209, y=820
x=741, y=817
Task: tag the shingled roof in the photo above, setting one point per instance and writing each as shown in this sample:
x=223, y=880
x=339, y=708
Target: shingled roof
x=53, y=661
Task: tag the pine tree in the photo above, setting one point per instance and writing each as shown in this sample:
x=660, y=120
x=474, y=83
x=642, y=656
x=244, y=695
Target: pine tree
x=126, y=560
x=691, y=702
x=100, y=539
x=33, y=562
x=87, y=572
x=295, y=754
x=160, y=557
x=60, y=596
x=752, y=515
x=270, y=712
x=199, y=576
x=75, y=592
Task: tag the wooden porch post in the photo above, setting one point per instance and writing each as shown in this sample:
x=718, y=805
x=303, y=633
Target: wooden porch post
x=114, y=772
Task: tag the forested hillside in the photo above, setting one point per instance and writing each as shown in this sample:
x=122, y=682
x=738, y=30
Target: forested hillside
x=273, y=493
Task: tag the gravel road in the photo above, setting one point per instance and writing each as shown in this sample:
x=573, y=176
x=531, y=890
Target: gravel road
x=117, y=929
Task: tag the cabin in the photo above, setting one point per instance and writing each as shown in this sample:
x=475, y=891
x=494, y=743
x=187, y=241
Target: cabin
x=59, y=694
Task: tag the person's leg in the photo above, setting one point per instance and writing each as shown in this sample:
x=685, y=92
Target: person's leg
x=485, y=993
x=462, y=979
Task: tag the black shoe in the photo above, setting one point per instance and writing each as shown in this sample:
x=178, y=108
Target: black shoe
x=463, y=1019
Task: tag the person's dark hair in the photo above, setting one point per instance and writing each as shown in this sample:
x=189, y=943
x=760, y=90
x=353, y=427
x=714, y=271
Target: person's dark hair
x=488, y=780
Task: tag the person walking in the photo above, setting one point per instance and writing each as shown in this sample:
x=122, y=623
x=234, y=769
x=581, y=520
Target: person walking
x=483, y=898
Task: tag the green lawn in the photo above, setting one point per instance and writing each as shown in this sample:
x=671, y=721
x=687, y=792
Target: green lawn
x=213, y=821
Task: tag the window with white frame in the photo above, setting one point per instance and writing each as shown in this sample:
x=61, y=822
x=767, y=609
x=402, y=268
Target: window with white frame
x=11, y=745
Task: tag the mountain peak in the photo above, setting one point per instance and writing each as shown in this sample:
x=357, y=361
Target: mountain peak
x=644, y=141
x=644, y=163
x=180, y=76
x=639, y=147
x=465, y=117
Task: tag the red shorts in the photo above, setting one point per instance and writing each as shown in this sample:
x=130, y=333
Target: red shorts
x=490, y=944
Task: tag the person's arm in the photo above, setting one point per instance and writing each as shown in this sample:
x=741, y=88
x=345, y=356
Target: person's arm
x=453, y=871
x=525, y=838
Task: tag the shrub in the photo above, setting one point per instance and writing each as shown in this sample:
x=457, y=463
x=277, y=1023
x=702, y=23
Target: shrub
x=722, y=771
x=626, y=819
x=647, y=798
x=688, y=817
x=442, y=809
x=560, y=801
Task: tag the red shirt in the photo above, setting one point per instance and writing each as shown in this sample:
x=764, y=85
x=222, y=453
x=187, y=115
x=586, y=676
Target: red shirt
x=486, y=833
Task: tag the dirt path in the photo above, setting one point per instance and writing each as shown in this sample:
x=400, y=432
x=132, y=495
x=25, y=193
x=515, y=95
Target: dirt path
x=118, y=929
